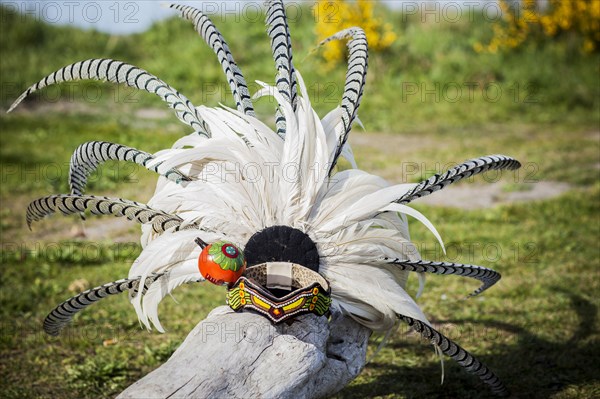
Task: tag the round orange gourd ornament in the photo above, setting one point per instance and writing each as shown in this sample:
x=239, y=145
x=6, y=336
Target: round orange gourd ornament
x=221, y=263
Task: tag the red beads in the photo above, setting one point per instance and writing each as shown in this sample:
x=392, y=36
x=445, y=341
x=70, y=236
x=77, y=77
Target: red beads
x=221, y=263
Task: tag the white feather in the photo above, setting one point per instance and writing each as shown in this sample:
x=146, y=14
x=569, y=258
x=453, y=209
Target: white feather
x=183, y=273
x=365, y=206
x=417, y=215
x=377, y=295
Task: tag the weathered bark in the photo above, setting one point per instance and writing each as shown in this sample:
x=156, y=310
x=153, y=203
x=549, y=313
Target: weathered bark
x=242, y=355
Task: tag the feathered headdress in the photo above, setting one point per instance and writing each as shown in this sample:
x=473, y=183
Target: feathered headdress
x=234, y=178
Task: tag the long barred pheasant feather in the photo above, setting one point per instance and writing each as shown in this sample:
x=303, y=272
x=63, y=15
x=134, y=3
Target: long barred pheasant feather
x=120, y=72
x=70, y=204
x=88, y=156
x=236, y=179
x=215, y=40
x=487, y=276
x=462, y=171
x=62, y=314
x=356, y=77
x=281, y=45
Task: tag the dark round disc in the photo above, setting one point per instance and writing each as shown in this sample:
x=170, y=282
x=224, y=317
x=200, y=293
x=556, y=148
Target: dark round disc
x=282, y=244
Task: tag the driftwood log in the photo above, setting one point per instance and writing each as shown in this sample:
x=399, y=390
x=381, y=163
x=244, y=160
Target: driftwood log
x=242, y=355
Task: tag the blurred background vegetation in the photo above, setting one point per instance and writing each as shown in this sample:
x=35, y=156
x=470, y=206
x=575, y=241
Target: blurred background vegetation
x=440, y=89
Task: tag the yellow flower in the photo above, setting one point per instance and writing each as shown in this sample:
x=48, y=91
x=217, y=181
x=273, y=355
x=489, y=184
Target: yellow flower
x=529, y=18
x=335, y=15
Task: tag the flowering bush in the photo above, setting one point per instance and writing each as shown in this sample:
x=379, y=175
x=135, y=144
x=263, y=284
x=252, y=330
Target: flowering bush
x=528, y=18
x=333, y=16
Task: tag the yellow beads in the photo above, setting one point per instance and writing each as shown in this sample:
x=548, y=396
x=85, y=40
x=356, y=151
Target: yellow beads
x=242, y=294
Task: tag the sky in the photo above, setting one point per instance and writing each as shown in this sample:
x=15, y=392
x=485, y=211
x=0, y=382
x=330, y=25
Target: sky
x=128, y=16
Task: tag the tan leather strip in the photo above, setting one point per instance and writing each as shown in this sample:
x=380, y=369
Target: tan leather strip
x=300, y=275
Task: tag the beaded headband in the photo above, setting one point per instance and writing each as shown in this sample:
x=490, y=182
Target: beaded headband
x=265, y=288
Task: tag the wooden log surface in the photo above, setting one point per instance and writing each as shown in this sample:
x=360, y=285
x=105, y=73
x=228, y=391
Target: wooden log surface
x=242, y=355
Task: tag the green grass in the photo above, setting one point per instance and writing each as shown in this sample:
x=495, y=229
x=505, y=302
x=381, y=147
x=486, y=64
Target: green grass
x=538, y=328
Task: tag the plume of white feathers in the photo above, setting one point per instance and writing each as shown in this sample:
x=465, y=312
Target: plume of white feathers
x=245, y=178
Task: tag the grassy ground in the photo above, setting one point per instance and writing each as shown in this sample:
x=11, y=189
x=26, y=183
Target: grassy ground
x=538, y=328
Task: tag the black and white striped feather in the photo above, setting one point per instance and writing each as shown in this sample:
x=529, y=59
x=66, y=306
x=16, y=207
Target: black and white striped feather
x=215, y=40
x=356, y=77
x=281, y=47
x=462, y=171
x=487, y=276
x=120, y=72
x=88, y=156
x=62, y=314
x=69, y=204
x=448, y=347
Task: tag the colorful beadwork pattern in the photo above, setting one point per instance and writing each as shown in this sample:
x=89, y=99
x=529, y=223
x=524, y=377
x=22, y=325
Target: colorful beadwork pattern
x=226, y=255
x=245, y=295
